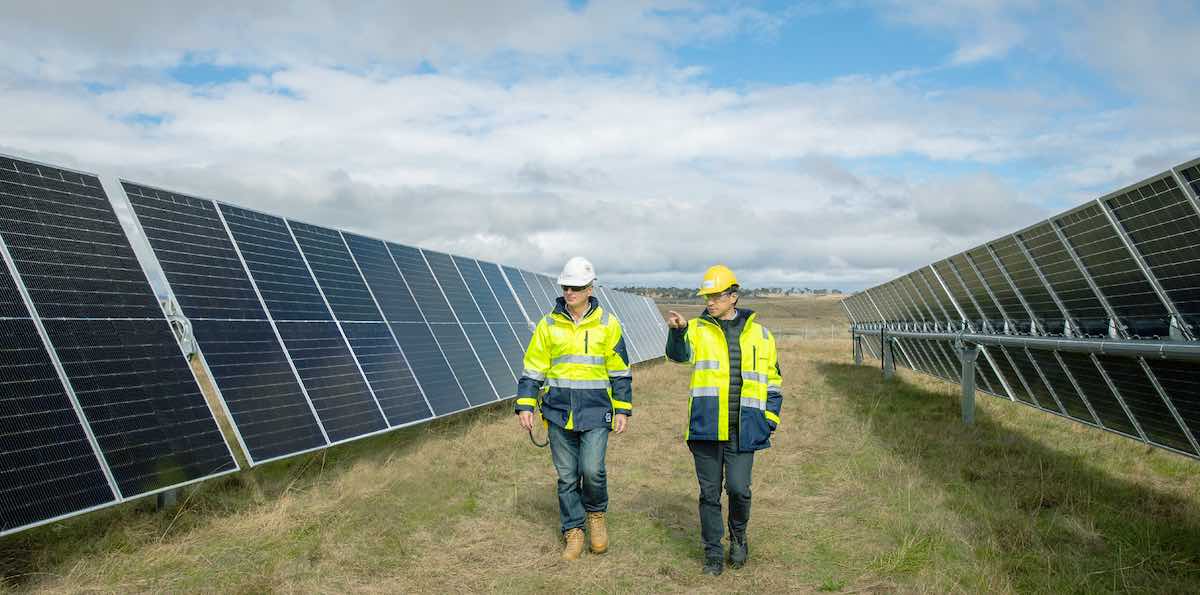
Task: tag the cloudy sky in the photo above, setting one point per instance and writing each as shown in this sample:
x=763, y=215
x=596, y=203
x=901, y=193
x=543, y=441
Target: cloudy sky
x=821, y=144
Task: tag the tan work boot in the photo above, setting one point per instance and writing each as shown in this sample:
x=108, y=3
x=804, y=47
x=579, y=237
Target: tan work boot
x=574, y=547
x=597, y=532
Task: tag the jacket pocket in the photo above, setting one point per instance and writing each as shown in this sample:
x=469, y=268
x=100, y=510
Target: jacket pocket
x=756, y=428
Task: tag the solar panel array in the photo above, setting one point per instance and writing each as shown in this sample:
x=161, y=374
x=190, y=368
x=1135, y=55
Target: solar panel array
x=315, y=336
x=312, y=337
x=1093, y=314
x=98, y=404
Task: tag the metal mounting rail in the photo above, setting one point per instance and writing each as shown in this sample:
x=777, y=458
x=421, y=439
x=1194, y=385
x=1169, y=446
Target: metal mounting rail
x=1167, y=350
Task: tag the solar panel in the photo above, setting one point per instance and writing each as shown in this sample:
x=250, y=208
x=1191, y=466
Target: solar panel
x=542, y=301
x=345, y=404
x=531, y=307
x=375, y=350
x=510, y=347
x=449, y=335
x=1114, y=282
x=471, y=319
x=270, y=412
x=507, y=299
x=137, y=392
x=1164, y=227
x=70, y=388
x=407, y=323
x=48, y=466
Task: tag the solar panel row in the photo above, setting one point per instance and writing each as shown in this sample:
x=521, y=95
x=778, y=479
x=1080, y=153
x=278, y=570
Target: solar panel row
x=350, y=335
x=1123, y=268
x=313, y=336
x=97, y=402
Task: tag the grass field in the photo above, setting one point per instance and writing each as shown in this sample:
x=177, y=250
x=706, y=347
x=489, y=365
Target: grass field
x=871, y=486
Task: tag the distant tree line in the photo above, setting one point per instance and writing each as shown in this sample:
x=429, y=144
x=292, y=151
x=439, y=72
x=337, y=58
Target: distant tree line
x=684, y=293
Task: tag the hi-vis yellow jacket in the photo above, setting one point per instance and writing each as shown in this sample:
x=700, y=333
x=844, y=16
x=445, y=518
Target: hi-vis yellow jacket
x=703, y=346
x=583, y=366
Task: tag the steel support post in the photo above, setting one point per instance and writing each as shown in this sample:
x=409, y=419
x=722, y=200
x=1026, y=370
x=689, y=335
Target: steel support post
x=967, y=356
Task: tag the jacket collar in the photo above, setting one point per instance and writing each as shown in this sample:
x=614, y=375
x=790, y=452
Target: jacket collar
x=744, y=317
x=560, y=308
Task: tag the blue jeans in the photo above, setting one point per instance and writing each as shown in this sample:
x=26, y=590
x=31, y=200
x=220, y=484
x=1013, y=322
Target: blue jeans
x=579, y=459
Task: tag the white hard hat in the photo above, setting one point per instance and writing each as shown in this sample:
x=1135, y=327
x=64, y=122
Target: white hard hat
x=577, y=272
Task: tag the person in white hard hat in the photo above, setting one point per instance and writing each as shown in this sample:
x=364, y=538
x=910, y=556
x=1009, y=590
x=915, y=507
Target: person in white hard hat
x=577, y=353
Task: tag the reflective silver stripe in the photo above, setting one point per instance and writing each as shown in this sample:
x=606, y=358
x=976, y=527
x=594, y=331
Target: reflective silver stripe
x=775, y=388
x=550, y=319
x=755, y=376
x=534, y=374
x=753, y=403
x=706, y=391
x=619, y=373
x=764, y=329
x=708, y=364
x=595, y=360
x=604, y=318
x=564, y=383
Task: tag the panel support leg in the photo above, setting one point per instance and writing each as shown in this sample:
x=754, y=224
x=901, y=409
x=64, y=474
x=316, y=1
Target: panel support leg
x=967, y=356
x=166, y=499
x=889, y=364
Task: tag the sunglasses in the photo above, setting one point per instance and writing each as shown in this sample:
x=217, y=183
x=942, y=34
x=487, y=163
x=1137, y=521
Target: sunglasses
x=576, y=288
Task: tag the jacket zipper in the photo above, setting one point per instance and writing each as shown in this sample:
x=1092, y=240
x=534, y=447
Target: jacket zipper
x=585, y=342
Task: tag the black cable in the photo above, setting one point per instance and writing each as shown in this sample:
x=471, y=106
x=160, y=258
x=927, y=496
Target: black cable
x=535, y=442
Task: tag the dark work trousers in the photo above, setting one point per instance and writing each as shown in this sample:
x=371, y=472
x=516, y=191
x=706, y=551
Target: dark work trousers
x=716, y=461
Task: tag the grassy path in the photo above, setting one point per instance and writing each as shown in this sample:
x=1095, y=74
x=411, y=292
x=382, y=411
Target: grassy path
x=871, y=486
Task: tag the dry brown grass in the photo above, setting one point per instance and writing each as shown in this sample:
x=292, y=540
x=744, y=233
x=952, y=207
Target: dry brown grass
x=870, y=486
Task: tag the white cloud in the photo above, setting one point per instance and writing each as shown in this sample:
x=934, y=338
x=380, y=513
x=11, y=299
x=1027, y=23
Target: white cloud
x=653, y=173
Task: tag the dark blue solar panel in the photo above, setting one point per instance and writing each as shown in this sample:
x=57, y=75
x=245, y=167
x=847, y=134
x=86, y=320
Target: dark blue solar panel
x=1061, y=385
x=1101, y=397
x=510, y=347
x=70, y=249
x=543, y=302
x=141, y=400
x=424, y=355
x=482, y=340
x=453, y=287
x=275, y=264
x=473, y=279
x=466, y=366
x=47, y=466
x=430, y=366
x=1145, y=403
x=533, y=308
x=196, y=254
x=260, y=389
x=387, y=371
x=504, y=294
x=381, y=275
x=336, y=388
x=422, y=283
x=335, y=272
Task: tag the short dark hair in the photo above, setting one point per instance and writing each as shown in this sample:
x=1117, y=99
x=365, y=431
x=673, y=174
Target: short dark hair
x=735, y=288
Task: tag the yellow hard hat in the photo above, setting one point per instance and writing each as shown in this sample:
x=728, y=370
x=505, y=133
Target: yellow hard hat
x=717, y=278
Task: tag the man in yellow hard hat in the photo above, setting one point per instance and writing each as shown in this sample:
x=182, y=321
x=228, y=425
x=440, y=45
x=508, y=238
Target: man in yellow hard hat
x=578, y=352
x=736, y=396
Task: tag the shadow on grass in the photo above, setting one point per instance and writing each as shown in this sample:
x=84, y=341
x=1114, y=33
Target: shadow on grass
x=1054, y=521
x=30, y=555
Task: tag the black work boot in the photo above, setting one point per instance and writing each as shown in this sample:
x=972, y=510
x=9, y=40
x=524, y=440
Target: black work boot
x=738, y=551
x=713, y=566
